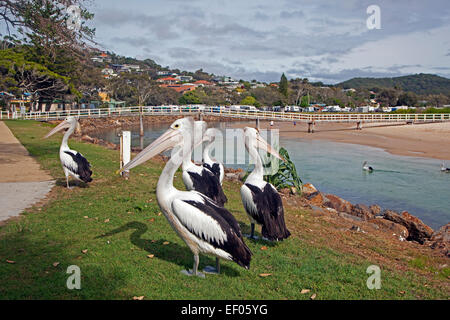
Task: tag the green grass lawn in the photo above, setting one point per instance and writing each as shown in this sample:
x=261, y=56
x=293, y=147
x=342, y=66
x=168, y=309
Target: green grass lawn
x=118, y=222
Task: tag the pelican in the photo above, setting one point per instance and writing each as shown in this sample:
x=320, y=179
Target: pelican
x=261, y=200
x=367, y=167
x=444, y=168
x=209, y=163
x=203, y=225
x=199, y=178
x=73, y=162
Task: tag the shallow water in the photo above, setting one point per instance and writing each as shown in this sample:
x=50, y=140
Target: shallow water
x=399, y=183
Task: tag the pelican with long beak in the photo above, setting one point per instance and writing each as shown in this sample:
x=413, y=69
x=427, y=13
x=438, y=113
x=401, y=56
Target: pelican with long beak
x=209, y=163
x=204, y=226
x=261, y=200
x=199, y=178
x=74, y=163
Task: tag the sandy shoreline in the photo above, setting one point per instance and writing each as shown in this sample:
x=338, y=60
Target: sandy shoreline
x=421, y=140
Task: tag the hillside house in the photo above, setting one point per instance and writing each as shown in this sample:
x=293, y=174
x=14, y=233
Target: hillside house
x=168, y=80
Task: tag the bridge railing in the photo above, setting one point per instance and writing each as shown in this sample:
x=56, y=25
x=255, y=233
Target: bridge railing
x=226, y=112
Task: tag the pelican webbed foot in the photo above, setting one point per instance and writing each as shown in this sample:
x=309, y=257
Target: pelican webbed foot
x=211, y=269
x=191, y=273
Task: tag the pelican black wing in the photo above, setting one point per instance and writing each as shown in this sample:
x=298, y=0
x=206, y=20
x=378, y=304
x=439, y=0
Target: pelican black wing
x=270, y=212
x=215, y=168
x=208, y=184
x=234, y=245
x=83, y=169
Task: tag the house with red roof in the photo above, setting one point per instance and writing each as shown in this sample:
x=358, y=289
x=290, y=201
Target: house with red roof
x=168, y=80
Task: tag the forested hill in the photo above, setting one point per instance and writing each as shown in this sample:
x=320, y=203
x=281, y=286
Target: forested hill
x=419, y=83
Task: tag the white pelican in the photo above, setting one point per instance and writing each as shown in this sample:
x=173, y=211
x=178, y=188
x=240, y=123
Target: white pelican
x=199, y=178
x=366, y=167
x=212, y=164
x=73, y=162
x=261, y=200
x=202, y=224
x=444, y=168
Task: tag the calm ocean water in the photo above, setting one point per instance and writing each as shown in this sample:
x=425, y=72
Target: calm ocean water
x=399, y=183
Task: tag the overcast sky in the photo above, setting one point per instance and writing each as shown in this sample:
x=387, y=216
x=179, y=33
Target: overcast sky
x=259, y=39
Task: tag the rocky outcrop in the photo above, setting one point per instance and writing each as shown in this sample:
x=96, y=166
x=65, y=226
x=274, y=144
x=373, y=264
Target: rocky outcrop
x=418, y=231
x=101, y=142
x=396, y=229
x=234, y=174
x=308, y=189
x=362, y=211
x=440, y=240
x=349, y=216
x=404, y=226
x=337, y=203
x=316, y=198
x=375, y=209
x=90, y=125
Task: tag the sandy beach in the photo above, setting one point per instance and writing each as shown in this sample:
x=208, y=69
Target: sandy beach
x=431, y=140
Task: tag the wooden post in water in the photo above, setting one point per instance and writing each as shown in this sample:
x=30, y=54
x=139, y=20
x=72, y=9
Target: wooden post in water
x=141, y=123
x=257, y=123
x=125, y=152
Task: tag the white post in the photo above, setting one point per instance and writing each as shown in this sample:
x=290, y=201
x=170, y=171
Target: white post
x=125, y=151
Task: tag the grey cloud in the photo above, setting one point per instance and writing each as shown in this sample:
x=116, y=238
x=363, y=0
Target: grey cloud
x=261, y=16
x=180, y=52
x=292, y=14
x=135, y=42
x=258, y=39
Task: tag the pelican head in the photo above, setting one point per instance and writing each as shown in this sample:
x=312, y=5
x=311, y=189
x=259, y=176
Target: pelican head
x=210, y=134
x=254, y=140
x=68, y=122
x=180, y=134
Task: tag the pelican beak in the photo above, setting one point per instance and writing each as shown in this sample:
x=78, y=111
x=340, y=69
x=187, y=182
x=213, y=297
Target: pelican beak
x=165, y=142
x=78, y=129
x=59, y=127
x=264, y=145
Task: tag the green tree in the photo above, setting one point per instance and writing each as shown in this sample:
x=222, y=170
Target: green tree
x=49, y=24
x=407, y=99
x=284, y=86
x=191, y=97
x=19, y=76
x=305, y=102
x=249, y=101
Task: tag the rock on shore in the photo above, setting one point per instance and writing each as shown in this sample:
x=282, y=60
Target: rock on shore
x=403, y=225
x=440, y=240
x=418, y=231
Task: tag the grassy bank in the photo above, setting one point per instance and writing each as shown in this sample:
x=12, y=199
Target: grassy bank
x=119, y=224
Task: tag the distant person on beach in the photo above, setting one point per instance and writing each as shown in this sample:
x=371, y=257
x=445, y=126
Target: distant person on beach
x=295, y=123
x=271, y=123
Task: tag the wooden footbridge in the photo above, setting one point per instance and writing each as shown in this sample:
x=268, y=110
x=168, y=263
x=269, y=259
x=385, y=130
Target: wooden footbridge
x=309, y=118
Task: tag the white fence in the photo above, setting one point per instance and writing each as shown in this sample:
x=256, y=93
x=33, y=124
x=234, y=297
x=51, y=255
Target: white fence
x=227, y=112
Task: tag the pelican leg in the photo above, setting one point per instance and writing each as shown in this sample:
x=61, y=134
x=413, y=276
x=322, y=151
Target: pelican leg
x=252, y=232
x=211, y=269
x=194, y=271
x=67, y=182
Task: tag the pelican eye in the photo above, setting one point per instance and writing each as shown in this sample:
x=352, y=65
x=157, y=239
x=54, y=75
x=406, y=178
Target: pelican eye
x=176, y=126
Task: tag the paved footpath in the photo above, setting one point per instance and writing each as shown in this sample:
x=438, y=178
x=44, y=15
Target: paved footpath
x=22, y=181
